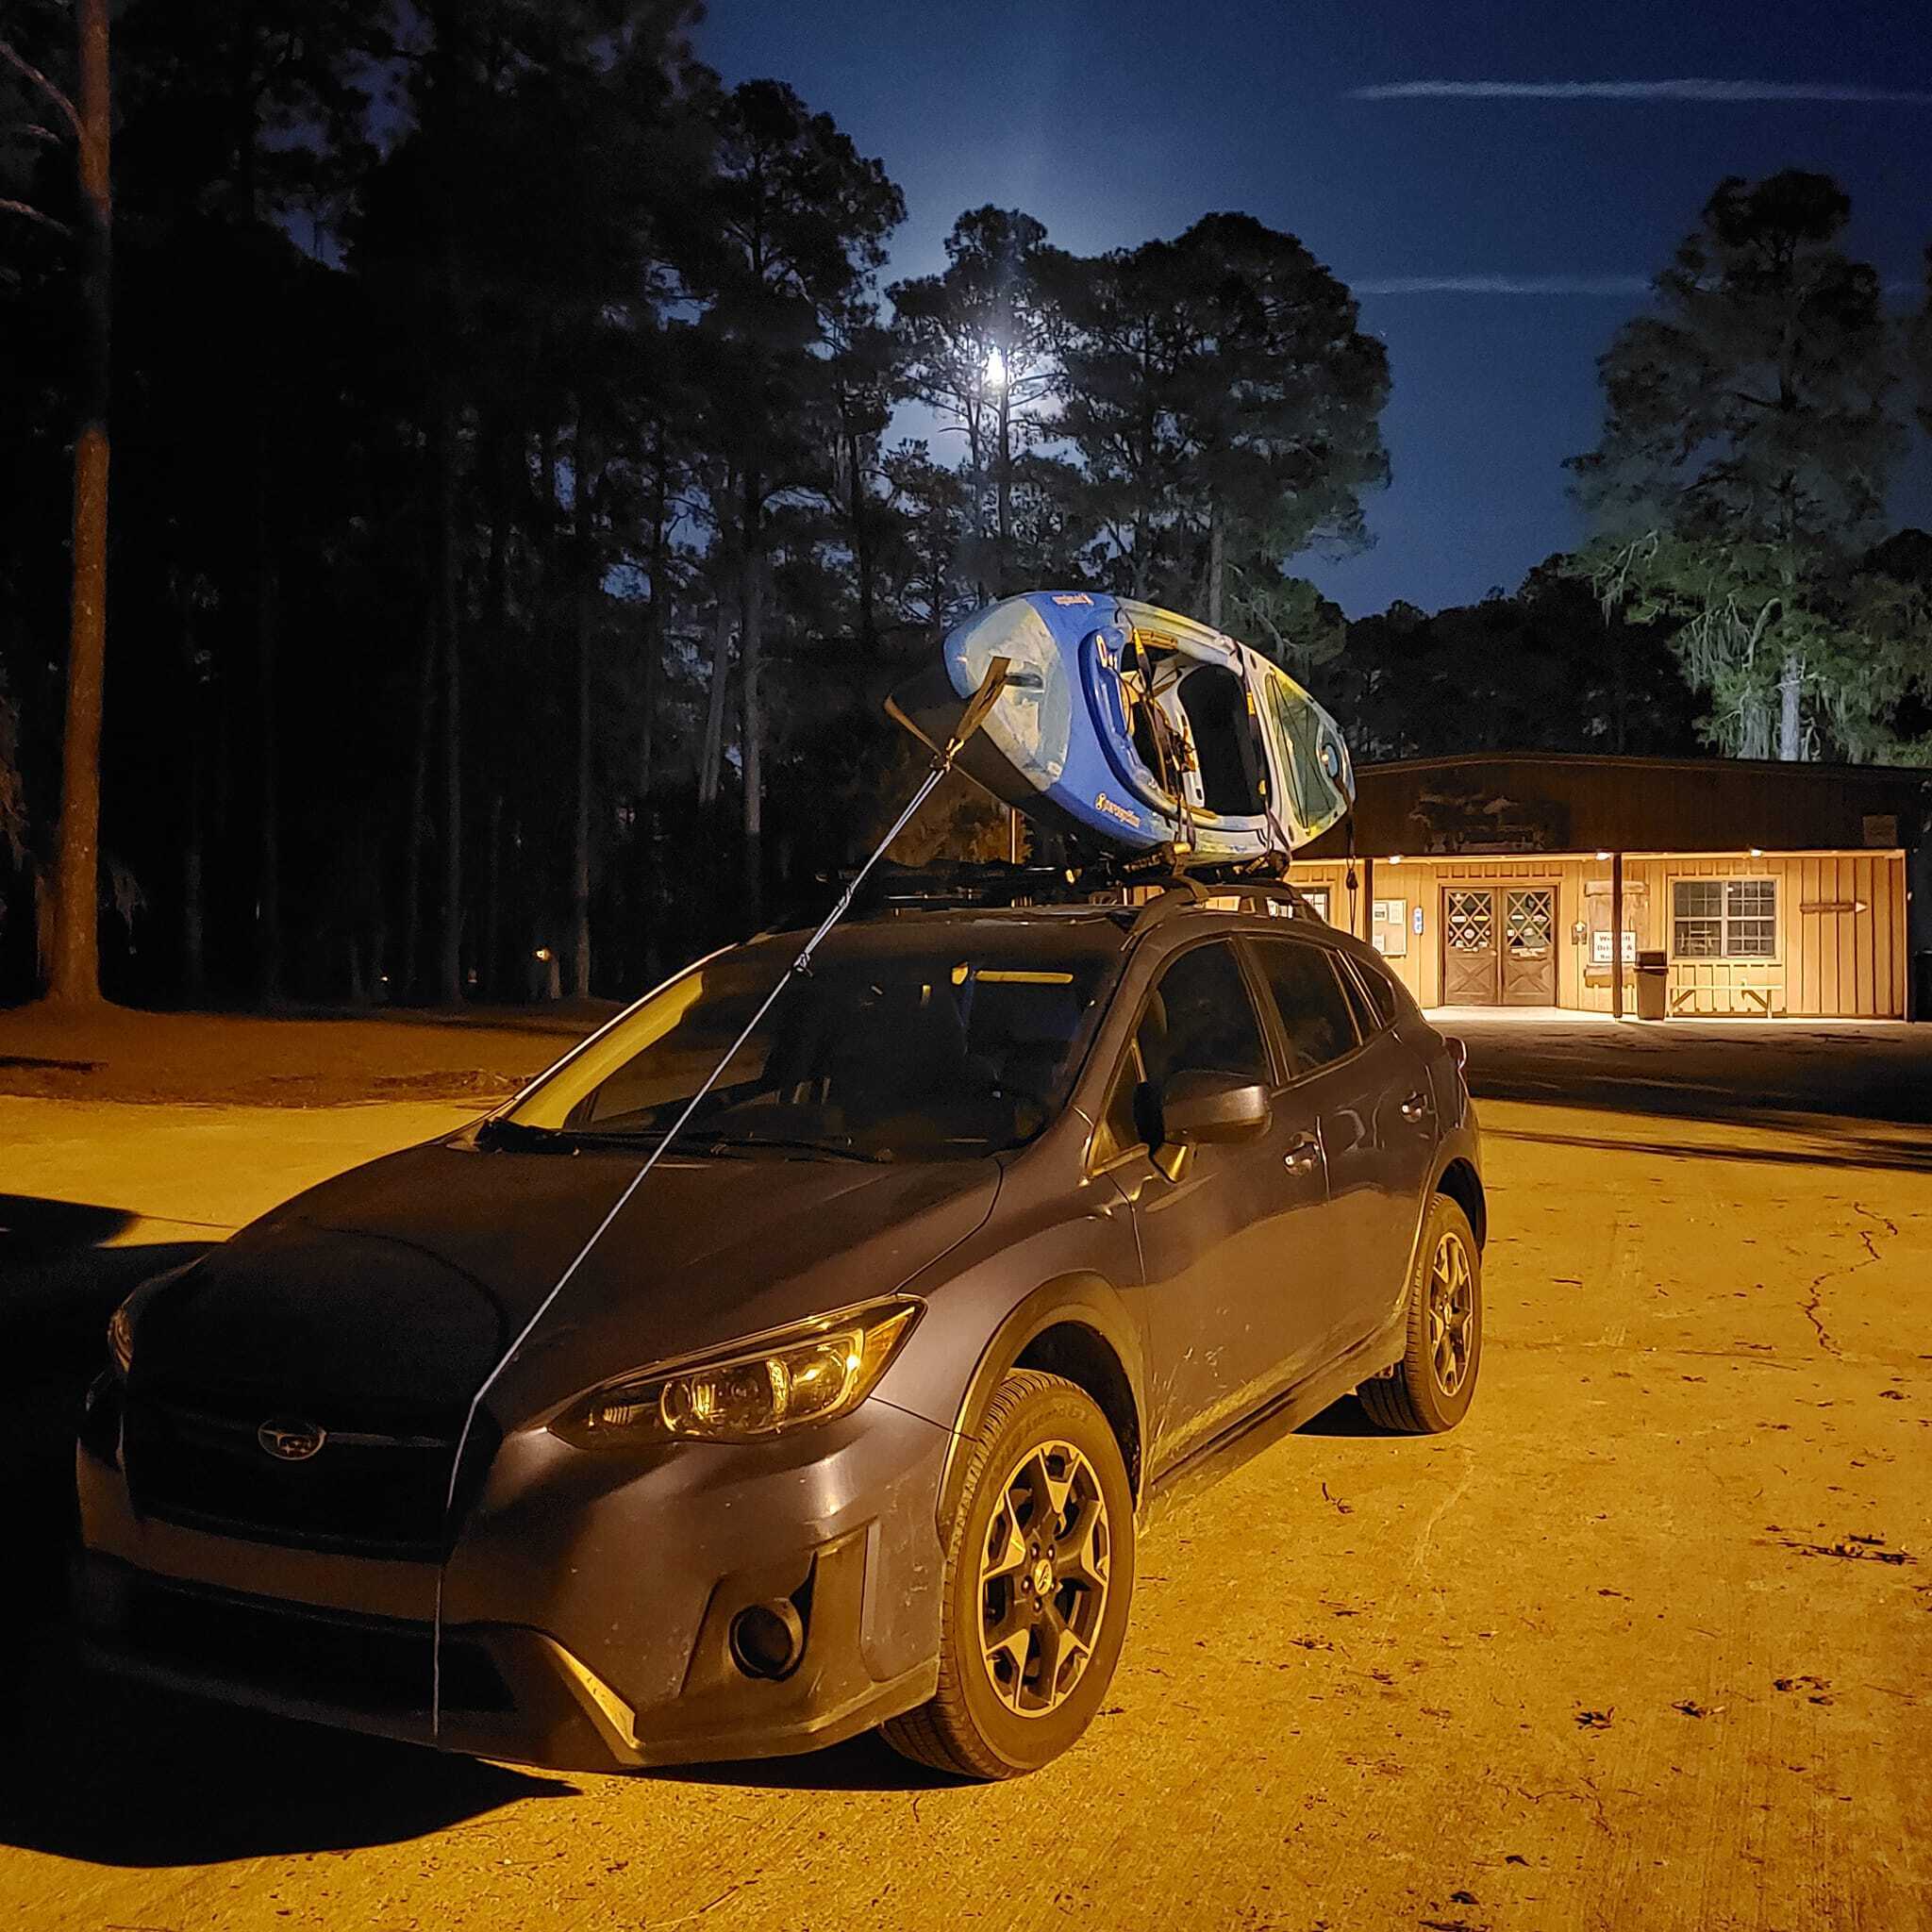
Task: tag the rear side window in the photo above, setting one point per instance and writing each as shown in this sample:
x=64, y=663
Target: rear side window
x=1366, y=1021
x=1383, y=998
x=1308, y=995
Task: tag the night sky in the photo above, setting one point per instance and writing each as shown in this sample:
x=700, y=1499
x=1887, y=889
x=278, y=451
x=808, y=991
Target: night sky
x=1496, y=238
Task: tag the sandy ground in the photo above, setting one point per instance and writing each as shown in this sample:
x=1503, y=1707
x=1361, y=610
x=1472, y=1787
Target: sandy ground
x=1641, y=1644
x=318, y=1059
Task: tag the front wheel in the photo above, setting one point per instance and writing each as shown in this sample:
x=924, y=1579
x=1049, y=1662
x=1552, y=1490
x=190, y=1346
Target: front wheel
x=1430, y=1387
x=1039, y=1571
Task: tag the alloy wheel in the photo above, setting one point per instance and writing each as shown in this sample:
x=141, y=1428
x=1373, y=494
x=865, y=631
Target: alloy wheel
x=1043, y=1578
x=1452, y=1313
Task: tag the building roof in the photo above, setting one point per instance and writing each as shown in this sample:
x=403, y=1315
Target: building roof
x=1571, y=801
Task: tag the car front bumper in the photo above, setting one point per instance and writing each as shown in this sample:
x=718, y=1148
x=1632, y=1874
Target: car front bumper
x=586, y=1607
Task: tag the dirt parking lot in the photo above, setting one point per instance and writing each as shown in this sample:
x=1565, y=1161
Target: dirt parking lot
x=1642, y=1645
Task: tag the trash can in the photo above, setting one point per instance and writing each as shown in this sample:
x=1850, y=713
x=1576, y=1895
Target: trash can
x=1653, y=985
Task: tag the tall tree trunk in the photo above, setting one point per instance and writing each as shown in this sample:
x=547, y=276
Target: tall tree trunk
x=269, y=894
x=1217, y=561
x=74, y=974
x=194, y=937
x=654, y=620
x=507, y=455
x=711, y=759
x=1004, y=508
x=647, y=701
x=975, y=472
x=585, y=484
x=419, y=794
x=750, y=650
x=490, y=963
x=1619, y=689
x=450, y=965
x=267, y=586
x=195, y=824
x=1791, y=723
x=864, y=561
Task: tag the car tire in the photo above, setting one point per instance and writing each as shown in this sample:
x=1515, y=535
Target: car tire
x=1429, y=1389
x=1033, y=1607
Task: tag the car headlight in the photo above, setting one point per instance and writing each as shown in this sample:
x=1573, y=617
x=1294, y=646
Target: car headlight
x=126, y=1318
x=121, y=1337
x=795, y=1378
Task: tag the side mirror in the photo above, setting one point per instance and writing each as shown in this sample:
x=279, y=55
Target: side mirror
x=1198, y=1105
x=1458, y=1050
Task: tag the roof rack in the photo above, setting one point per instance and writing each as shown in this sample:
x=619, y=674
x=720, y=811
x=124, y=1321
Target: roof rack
x=1153, y=888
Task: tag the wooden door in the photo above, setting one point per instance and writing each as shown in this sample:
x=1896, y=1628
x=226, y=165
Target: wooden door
x=1471, y=947
x=1529, y=946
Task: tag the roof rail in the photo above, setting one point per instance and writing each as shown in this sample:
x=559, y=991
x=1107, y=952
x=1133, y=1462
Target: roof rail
x=1187, y=892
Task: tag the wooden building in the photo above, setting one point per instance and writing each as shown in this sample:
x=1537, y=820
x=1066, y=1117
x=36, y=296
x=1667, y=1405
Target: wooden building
x=1739, y=888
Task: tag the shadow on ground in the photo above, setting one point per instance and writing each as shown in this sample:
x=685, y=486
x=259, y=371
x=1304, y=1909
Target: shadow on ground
x=60, y=1281
x=125, y=1775
x=865, y=1763
x=1821, y=1144
x=1811, y=1076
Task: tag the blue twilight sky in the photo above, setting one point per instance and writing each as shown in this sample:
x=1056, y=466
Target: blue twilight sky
x=1498, y=217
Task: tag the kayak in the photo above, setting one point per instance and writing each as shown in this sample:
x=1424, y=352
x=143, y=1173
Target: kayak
x=1138, y=726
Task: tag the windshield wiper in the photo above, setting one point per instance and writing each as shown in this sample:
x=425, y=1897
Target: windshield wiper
x=519, y=1138
x=782, y=1143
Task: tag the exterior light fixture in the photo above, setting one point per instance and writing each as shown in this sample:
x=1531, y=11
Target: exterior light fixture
x=1758, y=852
x=1396, y=858
x=543, y=954
x=1603, y=856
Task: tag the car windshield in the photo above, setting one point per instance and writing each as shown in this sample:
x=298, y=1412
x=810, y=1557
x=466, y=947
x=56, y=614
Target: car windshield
x=957, y=1046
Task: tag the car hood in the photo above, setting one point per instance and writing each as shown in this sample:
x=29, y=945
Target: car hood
x=391, y=1293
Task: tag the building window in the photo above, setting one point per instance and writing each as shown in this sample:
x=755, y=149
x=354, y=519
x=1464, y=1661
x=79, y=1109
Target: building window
x=1724, y=919
x=1317, y=897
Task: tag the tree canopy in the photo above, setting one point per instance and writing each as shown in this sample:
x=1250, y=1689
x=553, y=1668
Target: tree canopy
x=525, y=493
x=1753, y=425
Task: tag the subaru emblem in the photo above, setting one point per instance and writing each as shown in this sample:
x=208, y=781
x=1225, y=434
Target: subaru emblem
x=291, y=1441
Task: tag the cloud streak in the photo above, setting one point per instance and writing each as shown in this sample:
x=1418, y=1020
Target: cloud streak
x=1719, y=92
x=1501, y=285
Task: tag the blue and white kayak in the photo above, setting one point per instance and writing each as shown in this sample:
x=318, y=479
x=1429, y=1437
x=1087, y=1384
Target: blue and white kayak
x=1138, y=726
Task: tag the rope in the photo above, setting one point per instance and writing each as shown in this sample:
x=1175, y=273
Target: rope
x=974, y=716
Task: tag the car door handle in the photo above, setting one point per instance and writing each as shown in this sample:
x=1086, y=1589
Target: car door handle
x=1303, y=1153
x=1415, y=1107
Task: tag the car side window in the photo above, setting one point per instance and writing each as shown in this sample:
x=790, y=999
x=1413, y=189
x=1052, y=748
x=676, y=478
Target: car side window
x=1315, y=1013
x=1384, y=1000
x=1355, y=983
x=1200, y=1016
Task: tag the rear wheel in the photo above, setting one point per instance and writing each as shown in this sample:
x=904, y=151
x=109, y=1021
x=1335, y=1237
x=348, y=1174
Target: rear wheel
x=1432, y=1384
x=1039, y=1571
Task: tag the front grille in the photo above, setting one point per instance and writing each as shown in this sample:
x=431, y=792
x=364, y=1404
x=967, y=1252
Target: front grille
x=363, y=1493
x=375, y=1664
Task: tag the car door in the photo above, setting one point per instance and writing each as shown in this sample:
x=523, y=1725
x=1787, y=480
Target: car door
x=1230, y=1243
x=1375, y=1114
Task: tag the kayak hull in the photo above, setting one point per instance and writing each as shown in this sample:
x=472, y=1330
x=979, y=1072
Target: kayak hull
x=1137, y=726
